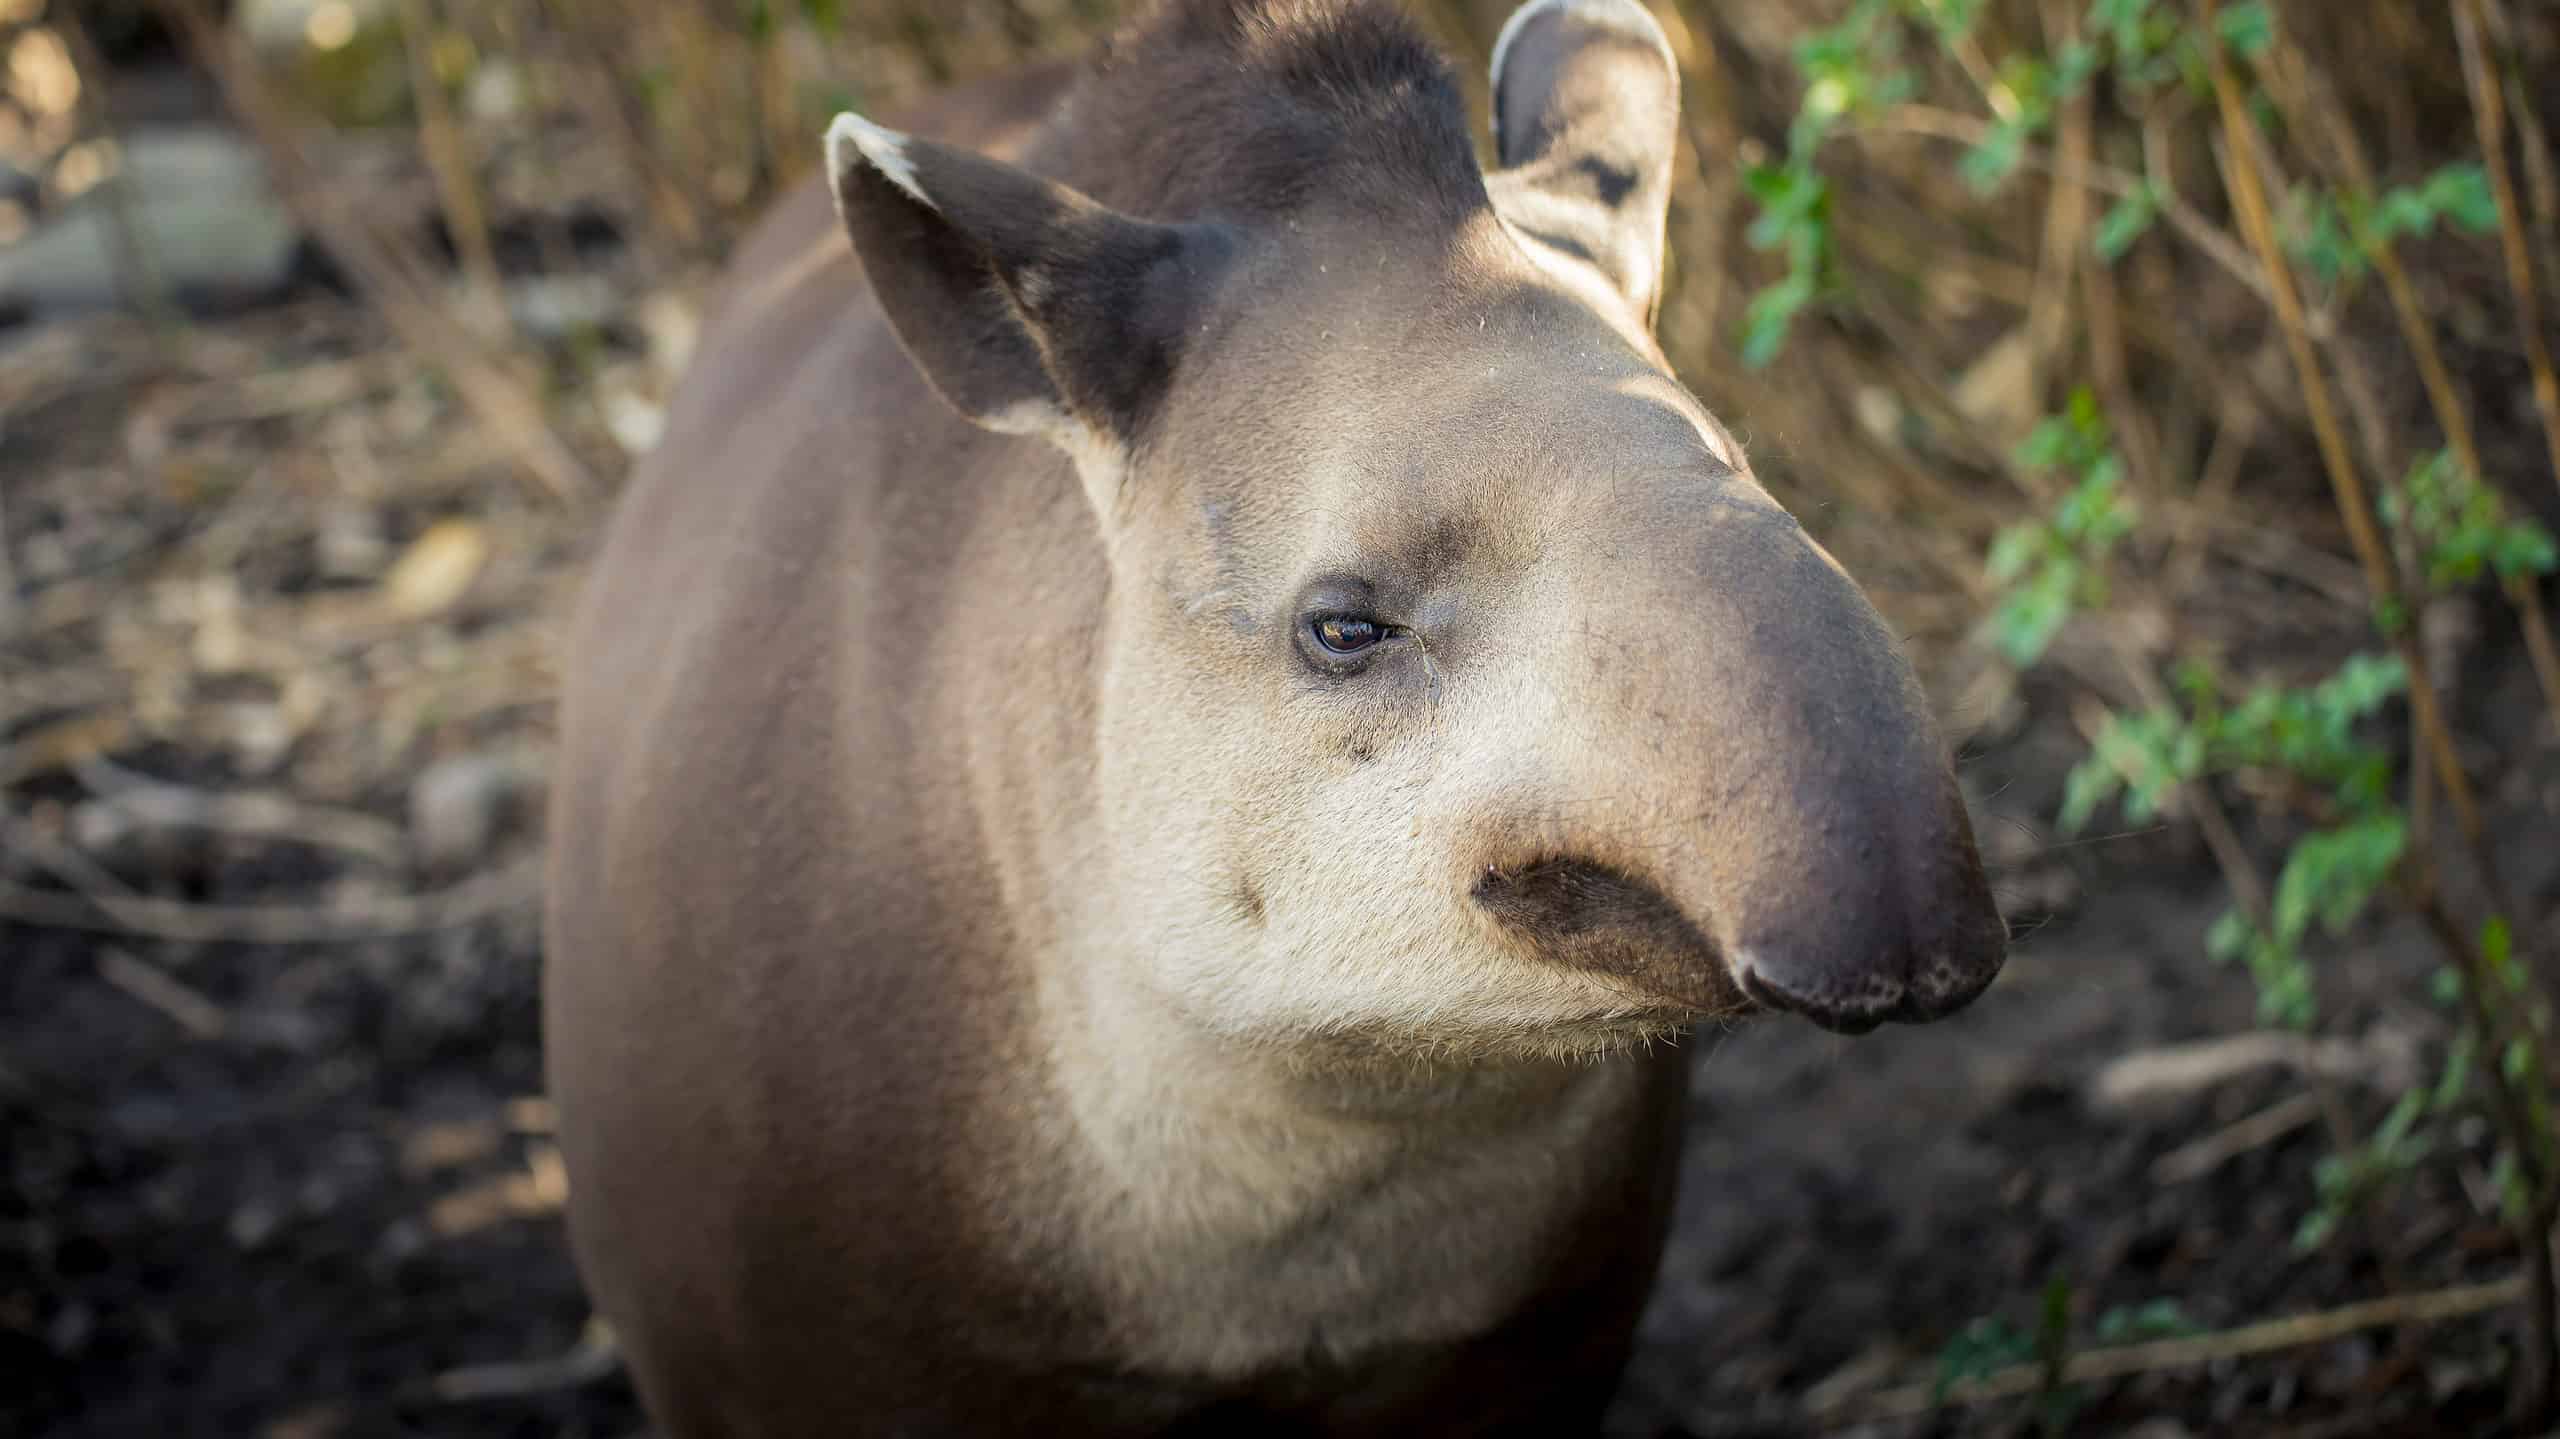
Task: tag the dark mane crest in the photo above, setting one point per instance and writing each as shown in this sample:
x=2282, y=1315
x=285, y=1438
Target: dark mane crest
x=1248, y=107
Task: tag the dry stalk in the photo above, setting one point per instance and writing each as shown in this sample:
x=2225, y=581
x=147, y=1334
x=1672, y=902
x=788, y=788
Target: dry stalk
x=2197, y=1158
x=2532, y=1394
x=2115, y=381
x=2346, y=483
x=516, y=887
x=2488, y=109
x=2209, y=239
x=2528, y=1129
x=390, y=278
x=448, y=155
x=610, y=99
x=2299, y=90
x=2541, y=176
x=2066, y=215
x=2125, y=1361
x=2249, y=888
x=2236, y=429
x=8, y=577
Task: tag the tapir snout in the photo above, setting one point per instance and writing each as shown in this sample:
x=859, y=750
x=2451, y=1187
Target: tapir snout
x=1819, y=858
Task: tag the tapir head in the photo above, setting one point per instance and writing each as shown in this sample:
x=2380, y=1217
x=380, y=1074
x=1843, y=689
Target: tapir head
x=1459, y=691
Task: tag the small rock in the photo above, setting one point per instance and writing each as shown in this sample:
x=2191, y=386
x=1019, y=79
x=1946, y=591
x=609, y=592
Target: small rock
x=1998, y=391
x=459, y=807
x=553, y=308
x=255, y=1222
x=636, y=421
x=350, y=543
x=496, y=91
x=671, y=321
x=201, y=207
x=436, y=570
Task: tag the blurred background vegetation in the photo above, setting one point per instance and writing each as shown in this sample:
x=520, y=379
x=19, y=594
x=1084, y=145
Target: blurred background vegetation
x=2176, y=373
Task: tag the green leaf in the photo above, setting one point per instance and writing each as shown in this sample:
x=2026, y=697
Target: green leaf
x=1986, y=1345
x=2073, y=66
x=2497, y=944
x=2091, y=783
x=2315, y=1230
x=2319, y=233
x=2230, y=936
x=2011, y=552
x=2461, y=194
x=2248, y=28
x=2332, y=874
x=1770, y=315
x=2157, y=1319
x=2126, y=221
x=1990, y=161
x=1769, y=184
x=2024, y=624
x=1950, y=18
x=2455, y=1082
x=2523, y=549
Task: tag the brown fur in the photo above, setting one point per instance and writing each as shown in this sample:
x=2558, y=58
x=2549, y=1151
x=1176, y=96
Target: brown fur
x=1002, y=977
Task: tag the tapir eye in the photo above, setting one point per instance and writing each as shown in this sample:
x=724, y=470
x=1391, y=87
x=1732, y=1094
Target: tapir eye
x=1347, y=634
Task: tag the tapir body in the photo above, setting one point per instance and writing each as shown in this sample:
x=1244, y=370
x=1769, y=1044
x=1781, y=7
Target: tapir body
x=1153, y=762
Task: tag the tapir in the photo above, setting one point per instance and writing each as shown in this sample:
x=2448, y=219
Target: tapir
x=1181, y=720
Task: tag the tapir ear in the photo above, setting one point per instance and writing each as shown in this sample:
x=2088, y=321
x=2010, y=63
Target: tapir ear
x=1029, y=307
x=1586, y=112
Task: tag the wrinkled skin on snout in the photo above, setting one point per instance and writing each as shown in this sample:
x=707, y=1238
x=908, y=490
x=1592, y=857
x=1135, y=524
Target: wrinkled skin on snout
x=1181, y=710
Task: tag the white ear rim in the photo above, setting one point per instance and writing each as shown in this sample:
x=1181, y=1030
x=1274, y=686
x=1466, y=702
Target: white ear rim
x=1624, y=15
x=880, y=147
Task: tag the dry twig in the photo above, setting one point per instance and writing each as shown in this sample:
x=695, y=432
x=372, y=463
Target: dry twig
x=514, y=887
x=2124, y=1361
x=2488, y=108
x=390, y=278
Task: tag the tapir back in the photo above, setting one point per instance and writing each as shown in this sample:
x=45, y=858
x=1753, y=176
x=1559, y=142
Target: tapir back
x=754, y=802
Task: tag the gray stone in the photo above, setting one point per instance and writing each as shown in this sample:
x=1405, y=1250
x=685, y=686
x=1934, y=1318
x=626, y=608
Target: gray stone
x=201, y=207
x=459, y=808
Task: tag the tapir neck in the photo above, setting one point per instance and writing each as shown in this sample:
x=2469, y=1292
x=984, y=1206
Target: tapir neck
x=1301, y=1201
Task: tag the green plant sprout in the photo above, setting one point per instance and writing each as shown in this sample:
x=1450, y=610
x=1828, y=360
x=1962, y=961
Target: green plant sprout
x=2334, y=235
x=1993, y=1343
x=2463, y=527
x=2047, y=567
x=1857, y=68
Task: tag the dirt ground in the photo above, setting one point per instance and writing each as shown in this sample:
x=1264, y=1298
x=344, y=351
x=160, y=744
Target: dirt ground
x=273, y=1158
